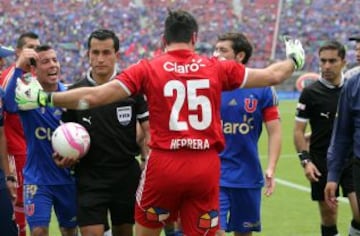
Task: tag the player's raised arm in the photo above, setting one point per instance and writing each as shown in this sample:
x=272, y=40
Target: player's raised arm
x=83, y=98
x=30, y=95
x=278, y=72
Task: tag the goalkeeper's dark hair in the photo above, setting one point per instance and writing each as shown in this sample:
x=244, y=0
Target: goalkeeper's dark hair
x=21, y=40
x=103, y=34
x=180, y=26
x=334, y=45
x=240, y=43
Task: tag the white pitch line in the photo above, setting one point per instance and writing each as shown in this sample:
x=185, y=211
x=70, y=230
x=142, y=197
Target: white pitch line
x=303, y=188
x=297, y=186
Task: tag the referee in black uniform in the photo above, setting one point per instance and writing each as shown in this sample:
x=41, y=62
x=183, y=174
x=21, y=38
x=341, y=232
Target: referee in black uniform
x=108, y=175
x=317, y=105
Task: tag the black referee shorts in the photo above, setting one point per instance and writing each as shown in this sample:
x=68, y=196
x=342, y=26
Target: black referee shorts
x=113, y=193
x=346, y=182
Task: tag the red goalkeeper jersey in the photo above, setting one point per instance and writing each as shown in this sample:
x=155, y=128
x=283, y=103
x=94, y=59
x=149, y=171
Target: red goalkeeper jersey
x=183, y=90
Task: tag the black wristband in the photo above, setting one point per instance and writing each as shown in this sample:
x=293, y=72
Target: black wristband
x=304, y=155
x=11, y=178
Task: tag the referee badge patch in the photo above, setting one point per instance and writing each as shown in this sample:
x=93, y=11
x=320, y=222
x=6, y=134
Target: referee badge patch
x=124, y=114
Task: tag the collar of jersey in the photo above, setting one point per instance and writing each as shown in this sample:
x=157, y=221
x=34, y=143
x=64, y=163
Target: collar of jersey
x=181, y=51
x=92, y=81
x=330, y=85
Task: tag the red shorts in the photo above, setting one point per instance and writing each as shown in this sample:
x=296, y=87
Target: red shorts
x=181, y=183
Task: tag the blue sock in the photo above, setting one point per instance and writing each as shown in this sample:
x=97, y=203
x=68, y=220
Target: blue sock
x=173, y=232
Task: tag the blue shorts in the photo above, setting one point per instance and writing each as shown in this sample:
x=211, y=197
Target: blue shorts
x=39, y=200
x=7, y=224
x=240, y=209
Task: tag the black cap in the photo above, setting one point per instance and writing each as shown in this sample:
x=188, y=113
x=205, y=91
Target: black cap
x=355, y=38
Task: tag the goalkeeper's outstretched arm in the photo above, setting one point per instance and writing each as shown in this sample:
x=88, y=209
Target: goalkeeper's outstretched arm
x=88, y=97
x=278, y=72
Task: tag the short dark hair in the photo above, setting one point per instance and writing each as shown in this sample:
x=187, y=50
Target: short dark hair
x=240, y=43
x=180, y=26
x=334, y=45
x=43, y=47
x=40, y=48
x=103, y=34
x=21, y=40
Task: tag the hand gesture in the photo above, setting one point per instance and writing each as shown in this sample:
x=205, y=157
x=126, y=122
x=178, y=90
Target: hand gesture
x=295, y=51
x=26, y=59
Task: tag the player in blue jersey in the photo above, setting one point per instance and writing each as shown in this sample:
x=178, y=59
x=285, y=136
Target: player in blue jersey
x=45, y=184
x=243, y=112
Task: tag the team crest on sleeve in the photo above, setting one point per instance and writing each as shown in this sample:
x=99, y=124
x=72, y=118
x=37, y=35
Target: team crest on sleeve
x=300, y=106
x=124, y=114
x=209, y=220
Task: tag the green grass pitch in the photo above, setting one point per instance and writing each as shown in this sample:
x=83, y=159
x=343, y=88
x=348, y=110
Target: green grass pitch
x=289, y=211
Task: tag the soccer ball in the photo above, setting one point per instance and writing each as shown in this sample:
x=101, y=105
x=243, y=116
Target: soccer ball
x=71, y=140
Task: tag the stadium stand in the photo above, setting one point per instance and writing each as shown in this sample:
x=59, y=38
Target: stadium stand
x=138, y=23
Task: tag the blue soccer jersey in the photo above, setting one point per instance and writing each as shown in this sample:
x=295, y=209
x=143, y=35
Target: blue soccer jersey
x=243, y=112
x=39, y=125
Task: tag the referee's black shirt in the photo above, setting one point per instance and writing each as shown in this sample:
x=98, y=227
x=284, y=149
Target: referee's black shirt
x=318, y=104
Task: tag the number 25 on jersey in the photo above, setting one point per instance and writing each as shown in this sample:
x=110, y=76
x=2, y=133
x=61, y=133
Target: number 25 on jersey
x=187, y=93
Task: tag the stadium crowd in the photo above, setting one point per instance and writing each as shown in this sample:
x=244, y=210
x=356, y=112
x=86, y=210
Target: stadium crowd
x=65, y=23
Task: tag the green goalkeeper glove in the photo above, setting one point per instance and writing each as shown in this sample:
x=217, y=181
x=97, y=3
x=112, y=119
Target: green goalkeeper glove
x=295, y=51
x=29, y=94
